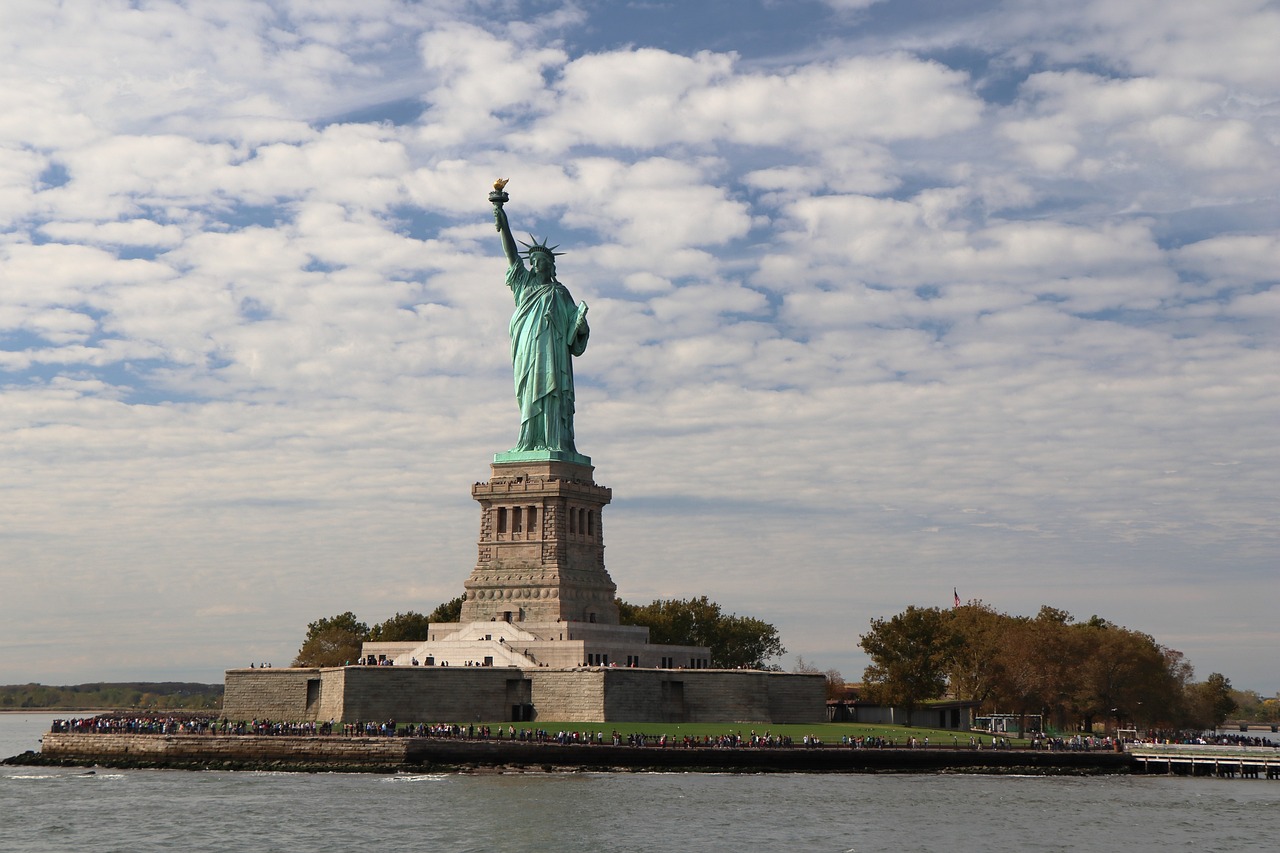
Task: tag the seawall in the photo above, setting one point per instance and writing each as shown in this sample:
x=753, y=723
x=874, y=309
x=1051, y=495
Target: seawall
x=392, y=754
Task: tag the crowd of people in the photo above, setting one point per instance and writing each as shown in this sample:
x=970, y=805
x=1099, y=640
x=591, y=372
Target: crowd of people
x=142, y=725
x=1077, y=743
x=195, y=723
x=1205, y=739
x=567, y=737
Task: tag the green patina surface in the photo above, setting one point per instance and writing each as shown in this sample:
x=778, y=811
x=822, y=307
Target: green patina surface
x=547, y=331
x=542, y=456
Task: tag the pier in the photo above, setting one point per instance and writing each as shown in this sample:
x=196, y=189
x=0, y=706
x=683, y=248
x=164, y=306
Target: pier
x=1179, y=759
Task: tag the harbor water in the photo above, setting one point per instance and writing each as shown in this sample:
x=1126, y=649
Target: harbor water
x=100, y=809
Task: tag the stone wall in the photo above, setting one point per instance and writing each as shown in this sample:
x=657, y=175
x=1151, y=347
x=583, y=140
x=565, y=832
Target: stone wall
x=386, y=754
x=420, y=694
x=273, y=694
x=552, y=569
x=569, y=695
x=734, y=695
x=375, y=693
x=390, y=650
x=702, y=696
x=113, y=749
x=424, y=693
x=797, y=697
x=641, y=695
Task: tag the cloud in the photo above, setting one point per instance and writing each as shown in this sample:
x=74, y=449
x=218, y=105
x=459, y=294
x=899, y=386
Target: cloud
x=133, y=232
x=1228, y=42
x=477, y=74
x=982, y=299
x=649, y=98
x=1242, y=258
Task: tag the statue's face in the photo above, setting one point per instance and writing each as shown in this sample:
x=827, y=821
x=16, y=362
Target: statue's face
x=543, y=265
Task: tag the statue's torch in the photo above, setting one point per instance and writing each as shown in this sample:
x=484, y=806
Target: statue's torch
x=498, y=197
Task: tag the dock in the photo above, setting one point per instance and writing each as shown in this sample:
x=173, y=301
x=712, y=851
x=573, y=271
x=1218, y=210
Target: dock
x=1181, y=759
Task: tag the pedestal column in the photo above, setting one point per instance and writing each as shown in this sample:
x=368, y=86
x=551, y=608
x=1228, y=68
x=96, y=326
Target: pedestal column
x=541, y=546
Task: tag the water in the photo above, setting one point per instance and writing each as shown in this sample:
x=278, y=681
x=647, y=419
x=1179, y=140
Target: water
x=20, y=732
x=138, y=811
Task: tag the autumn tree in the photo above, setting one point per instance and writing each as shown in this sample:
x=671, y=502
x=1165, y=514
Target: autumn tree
x=1210, y=702
x=1071, y=673
x=976, y=668
x=333, y=641
x=1250, y=705
x=835, y=683
x=735, y=641
x=909, y=655
x=1049, y=650
x=835, y=680
x=1180, y=674
x=1124, y=675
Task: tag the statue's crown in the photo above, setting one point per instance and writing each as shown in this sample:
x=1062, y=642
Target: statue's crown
x=542, y=246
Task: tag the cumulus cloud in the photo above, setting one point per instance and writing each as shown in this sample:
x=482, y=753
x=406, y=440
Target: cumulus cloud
x=477, y=74
x=650, y=98
x=982, y=300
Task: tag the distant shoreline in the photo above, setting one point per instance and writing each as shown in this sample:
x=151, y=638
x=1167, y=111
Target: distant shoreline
x=92, y=712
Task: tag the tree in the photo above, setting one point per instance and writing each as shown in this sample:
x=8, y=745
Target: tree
x=909, y=657
x=1042, y=669
x=736, y=642
x=1210, y=702
x=745, y=642
x=1180, y=672
x=1218, y=687
x=333, y=641
x=835, y=681
x=977, y=664
x=1071, y=673
x=450, y=611
x=1124, y=675
x=401, y=627
x=413, y=625
x=1250, y=705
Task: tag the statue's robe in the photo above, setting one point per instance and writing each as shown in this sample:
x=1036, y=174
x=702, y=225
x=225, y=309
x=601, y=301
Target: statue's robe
x=547, y=330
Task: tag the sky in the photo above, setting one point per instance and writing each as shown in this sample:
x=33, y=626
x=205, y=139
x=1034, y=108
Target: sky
x=889, y=301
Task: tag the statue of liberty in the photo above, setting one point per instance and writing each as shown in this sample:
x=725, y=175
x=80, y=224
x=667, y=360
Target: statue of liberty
x=547, y=330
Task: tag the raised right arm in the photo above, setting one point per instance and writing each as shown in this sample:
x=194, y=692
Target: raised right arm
x=508, y=242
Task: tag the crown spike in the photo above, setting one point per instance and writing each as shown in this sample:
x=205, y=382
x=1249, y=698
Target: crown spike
x=540, y=246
